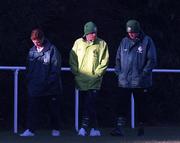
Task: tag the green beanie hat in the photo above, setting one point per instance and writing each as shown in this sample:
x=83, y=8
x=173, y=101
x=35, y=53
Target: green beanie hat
x=89, y=27
x=133, y=26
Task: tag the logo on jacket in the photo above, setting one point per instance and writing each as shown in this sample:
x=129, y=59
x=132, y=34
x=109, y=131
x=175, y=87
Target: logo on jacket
x=140, y=49
x=95, y=53
x=45, y=60
x=125, y=49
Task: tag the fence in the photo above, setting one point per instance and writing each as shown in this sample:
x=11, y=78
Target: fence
x=17, y=69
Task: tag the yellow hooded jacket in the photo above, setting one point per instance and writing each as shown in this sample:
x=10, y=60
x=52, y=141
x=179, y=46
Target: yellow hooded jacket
x=88, y=62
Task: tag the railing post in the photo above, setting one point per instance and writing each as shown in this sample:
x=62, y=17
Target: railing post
x=76, y=109
x=16, y=100
x=132, y=112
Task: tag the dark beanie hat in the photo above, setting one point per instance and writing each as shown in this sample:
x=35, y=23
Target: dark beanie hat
x=89, y=27
x=133, y=26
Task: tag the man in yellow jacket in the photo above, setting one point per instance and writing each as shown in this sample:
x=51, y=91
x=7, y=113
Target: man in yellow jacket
x=88, y=61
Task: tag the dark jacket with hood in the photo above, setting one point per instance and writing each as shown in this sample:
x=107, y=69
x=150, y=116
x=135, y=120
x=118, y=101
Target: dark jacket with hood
x=43, y=71
x=135, y=60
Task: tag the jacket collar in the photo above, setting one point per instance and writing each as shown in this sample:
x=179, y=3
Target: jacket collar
x=96, y=41
x=46, y=45
x=140, y=37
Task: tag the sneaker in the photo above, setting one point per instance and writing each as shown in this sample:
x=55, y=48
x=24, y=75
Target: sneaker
x=82, y=132
x=117, y=132
x=94, y=133
x=55, y=133
x=27, y=133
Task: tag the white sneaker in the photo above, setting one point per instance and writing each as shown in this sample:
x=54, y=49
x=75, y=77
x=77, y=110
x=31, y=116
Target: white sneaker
x=82, y=132
x=27, y=133
x=94, y=133
x=55, y=133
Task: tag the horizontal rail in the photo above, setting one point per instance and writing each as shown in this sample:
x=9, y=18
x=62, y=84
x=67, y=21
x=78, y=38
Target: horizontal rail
x=68, y=69
x=12, y=68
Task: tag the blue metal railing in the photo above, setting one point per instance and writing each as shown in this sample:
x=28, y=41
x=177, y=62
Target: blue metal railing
x=17, y=69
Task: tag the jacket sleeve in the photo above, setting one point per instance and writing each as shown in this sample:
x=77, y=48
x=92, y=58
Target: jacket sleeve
x=103, y=61
x=55, y=66
x=73, y=60
x=118, y=60
x=151, y=57
x=27, y=71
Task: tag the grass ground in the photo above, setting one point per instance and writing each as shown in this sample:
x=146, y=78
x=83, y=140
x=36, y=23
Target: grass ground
x=152, y=135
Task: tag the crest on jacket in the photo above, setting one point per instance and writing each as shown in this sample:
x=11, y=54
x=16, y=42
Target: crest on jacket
x=140, y=49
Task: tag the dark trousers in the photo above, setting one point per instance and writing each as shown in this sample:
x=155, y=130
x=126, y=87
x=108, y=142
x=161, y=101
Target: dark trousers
x=123, y=108
x=38, y=105
x=88, y=101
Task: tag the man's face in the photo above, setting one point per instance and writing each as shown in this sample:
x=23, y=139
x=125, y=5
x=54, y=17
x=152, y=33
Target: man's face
x=38, y=42
x=91, y=37
x=133, y=35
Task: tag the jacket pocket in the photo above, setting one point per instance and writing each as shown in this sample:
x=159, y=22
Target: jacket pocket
x=122, y=80
x=146, y=79
x=136, y=81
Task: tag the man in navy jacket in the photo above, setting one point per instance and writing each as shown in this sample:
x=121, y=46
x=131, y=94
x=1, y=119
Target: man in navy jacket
x=44, y=82
x=135, y=60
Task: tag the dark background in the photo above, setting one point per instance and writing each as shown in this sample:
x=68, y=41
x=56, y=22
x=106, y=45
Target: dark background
x=63, y=21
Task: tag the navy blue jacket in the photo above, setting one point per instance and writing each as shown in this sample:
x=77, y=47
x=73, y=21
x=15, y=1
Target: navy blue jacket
x=135, y=60
x=43, y=71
